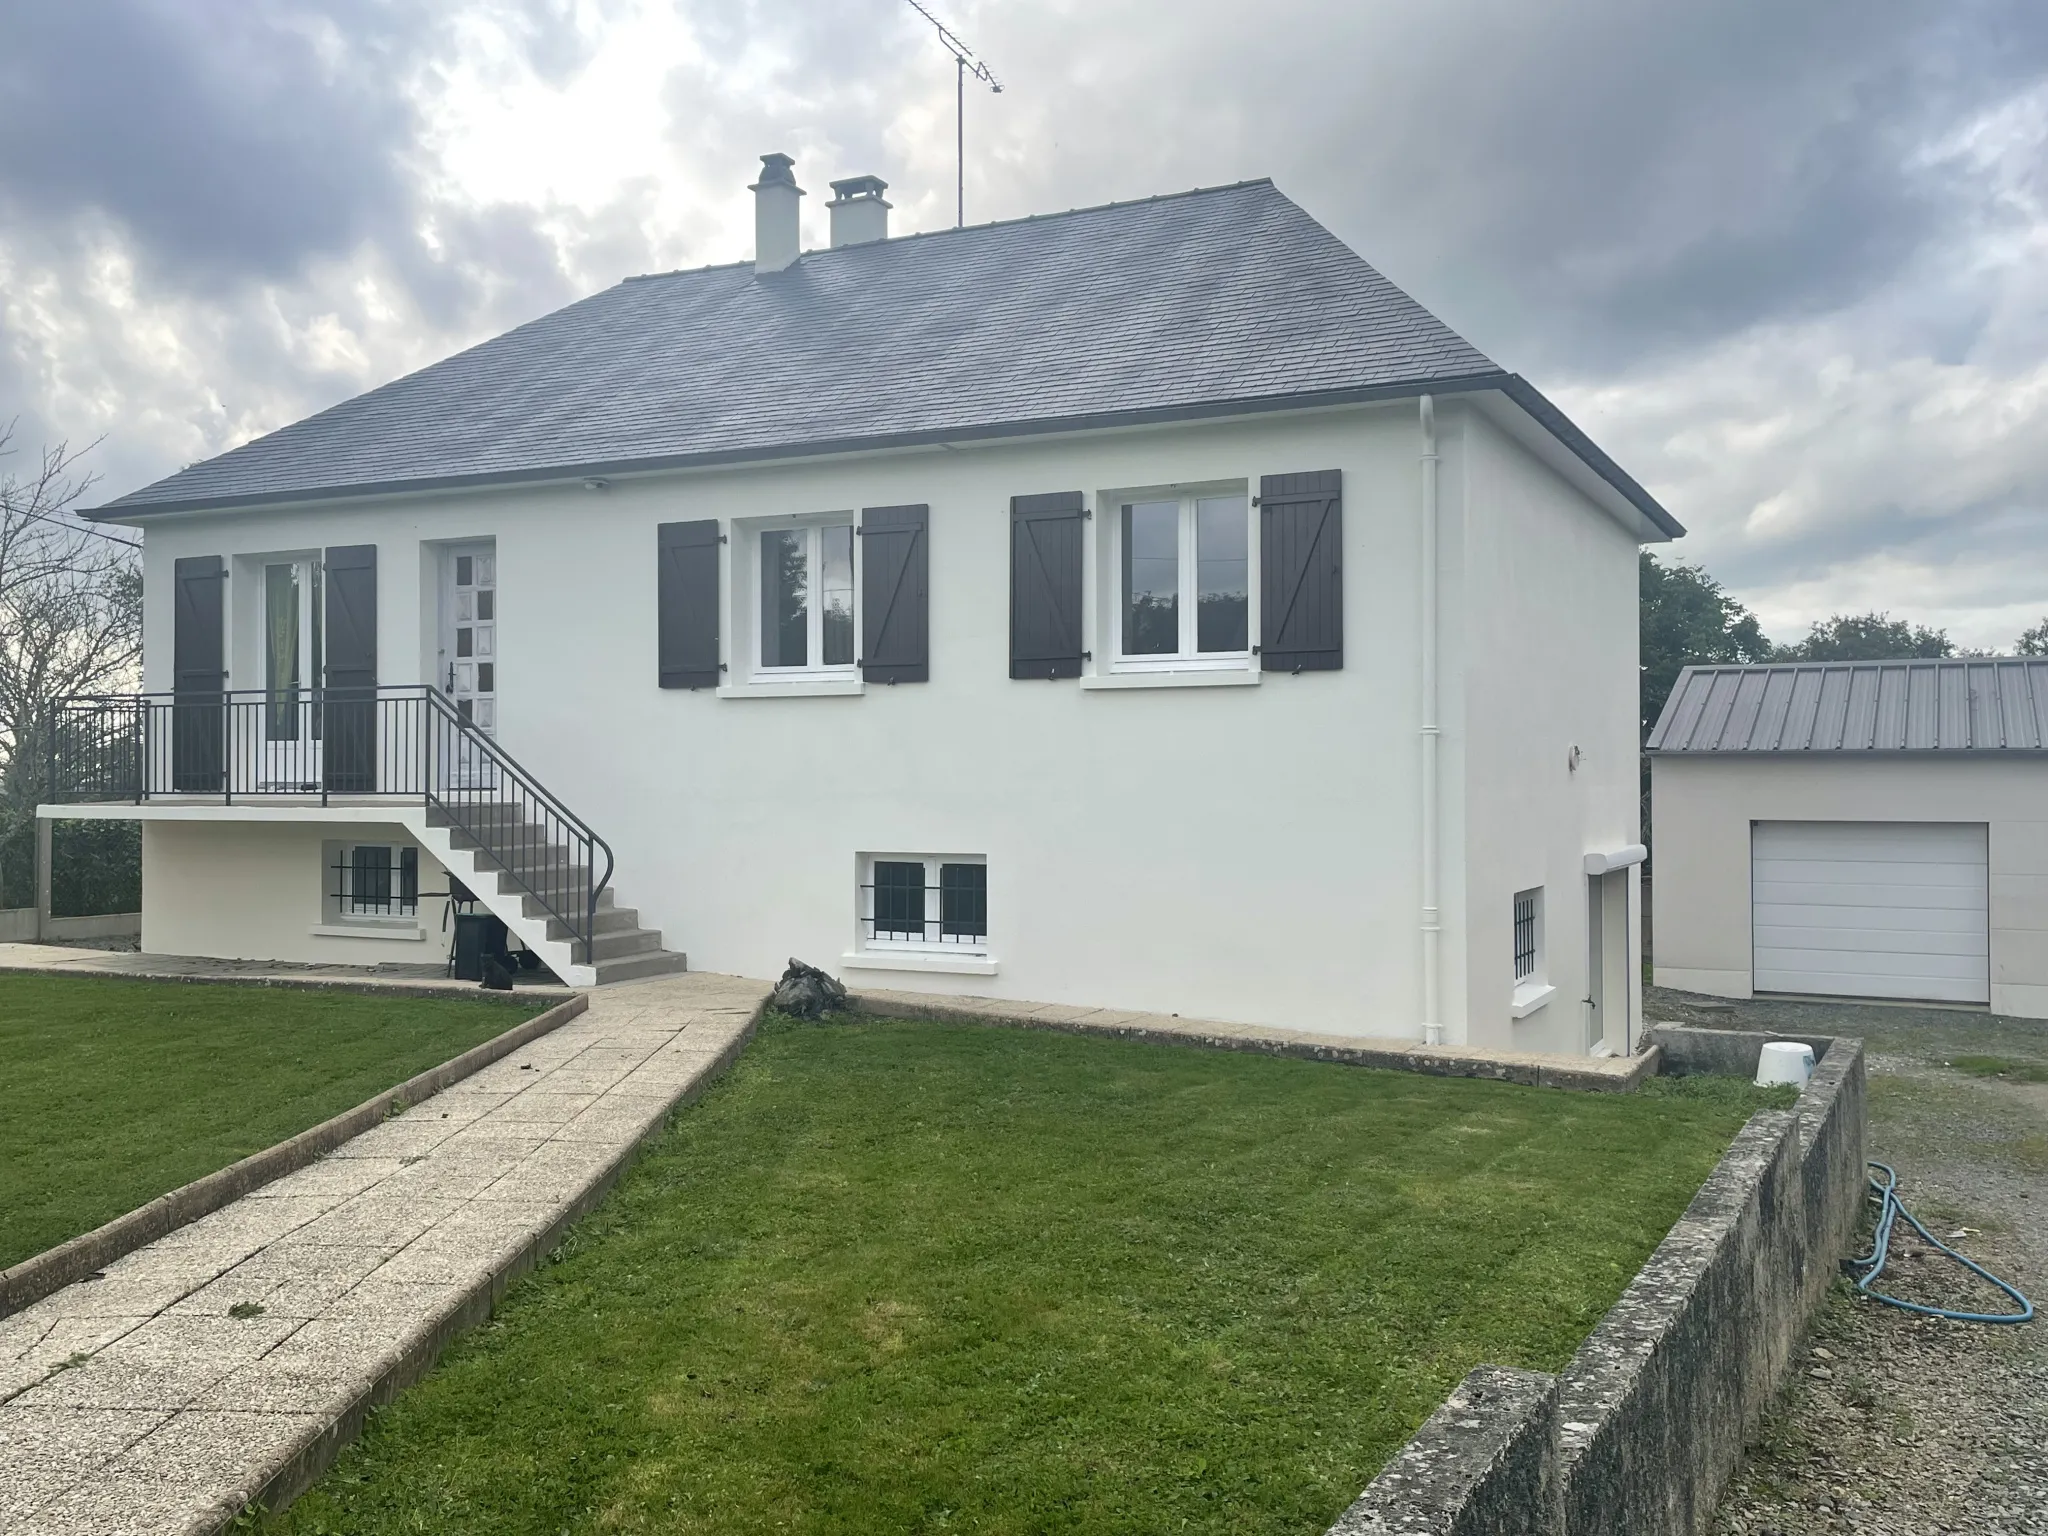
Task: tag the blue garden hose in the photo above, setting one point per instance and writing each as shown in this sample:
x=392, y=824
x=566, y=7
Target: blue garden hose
x=1890, y=1209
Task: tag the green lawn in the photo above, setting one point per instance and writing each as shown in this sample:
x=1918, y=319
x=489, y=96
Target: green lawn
x=114, y=1091
x=909, y=1277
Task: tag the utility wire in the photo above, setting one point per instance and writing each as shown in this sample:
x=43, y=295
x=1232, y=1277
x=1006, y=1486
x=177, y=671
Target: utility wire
x=98, y=533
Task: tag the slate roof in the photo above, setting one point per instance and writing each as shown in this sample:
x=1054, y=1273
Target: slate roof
x=1996, y=705
x=1191, y=304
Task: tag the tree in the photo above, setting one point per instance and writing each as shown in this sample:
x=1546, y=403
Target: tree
x=1687, y=619
x=2032, y=642
x=1867, y=637
x=70, y=622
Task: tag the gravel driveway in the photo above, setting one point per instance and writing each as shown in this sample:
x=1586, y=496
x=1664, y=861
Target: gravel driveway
x=1890, y=1423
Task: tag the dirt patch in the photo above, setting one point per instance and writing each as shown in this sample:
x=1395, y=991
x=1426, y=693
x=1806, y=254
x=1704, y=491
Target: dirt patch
x=1894, y=1424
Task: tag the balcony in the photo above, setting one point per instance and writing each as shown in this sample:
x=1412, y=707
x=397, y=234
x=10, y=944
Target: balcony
x=309, y=753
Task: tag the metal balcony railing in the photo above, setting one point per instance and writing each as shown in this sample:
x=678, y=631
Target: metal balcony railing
x=323, y=745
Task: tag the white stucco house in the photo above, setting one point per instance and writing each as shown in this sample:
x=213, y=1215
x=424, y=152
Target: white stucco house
x=1145, y=606
x=1871, y=829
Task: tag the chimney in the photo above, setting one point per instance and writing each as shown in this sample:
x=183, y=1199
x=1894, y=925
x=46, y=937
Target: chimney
x=859, y=212
x=776, y=241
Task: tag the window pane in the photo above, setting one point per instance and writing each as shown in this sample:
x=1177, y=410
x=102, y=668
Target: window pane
x=1152, y=578
x=408, y=879
x=1222, y=575
x=316, y=672
x=835, y=593
x=281, y=651
x=486, y=677
x=899, y=900
x=963, y=902
x=1525, y=935
x=785, y=594
x=463, y=642
x=487, y=604
x=463, y=570
x=370, y=878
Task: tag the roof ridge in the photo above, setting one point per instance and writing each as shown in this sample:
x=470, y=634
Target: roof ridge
x=1792, y=663
x=968, y=229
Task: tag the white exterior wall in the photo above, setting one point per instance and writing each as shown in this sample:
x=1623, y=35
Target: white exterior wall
x=244, y=890
x=1549, y=612
x=1703, y=810
x=1243, y=853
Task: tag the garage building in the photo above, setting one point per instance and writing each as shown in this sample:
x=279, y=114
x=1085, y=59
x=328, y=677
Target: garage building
x=1855, y=829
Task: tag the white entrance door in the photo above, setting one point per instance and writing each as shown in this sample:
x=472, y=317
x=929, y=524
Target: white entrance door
x=1871, y=909
x=291, y=672
x=1608, y=1025
x=469, y=647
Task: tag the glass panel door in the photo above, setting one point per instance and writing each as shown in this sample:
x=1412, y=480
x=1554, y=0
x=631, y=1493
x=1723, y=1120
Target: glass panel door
x=469, y=652
x=291, y=673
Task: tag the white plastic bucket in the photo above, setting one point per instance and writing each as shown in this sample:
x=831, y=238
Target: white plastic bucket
x=1784, y=1061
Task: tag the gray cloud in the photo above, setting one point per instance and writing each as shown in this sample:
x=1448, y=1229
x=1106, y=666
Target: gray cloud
x=230, y=138
x=1778, y=254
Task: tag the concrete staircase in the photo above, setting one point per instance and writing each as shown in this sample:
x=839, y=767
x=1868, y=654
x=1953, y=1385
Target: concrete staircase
x=520, y=876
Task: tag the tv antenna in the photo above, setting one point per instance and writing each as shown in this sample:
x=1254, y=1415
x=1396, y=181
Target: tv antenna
x=964, y=64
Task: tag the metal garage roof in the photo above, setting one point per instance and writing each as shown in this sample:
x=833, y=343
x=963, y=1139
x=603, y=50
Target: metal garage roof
x=1993, y=705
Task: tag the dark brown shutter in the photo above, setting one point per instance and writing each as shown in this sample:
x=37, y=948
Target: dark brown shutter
x=198, y=674
x=895, y=602
x=348, y=715
x=1045, y=585
x=1301, y=572
x=687, y=603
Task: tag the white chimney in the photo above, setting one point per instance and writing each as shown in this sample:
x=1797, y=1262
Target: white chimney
x=776, y=194
x=859, y=213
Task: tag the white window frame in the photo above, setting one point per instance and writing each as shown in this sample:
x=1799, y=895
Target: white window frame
x=1533, y=991
x=344, y=918
x=747, y=580
x=932, y=941
x=1187, y=659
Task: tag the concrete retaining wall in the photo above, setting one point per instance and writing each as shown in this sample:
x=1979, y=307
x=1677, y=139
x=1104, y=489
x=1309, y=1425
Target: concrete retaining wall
x=18, y=926
x=1639, y=1433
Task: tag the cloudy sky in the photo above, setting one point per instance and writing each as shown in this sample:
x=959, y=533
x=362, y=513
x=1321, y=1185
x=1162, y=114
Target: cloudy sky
x=1786, y=259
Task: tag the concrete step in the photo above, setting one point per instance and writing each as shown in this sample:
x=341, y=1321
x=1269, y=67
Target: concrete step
x=656, y=962
x=622, y=942
x=609, y=920
x=560, y=888
x=532, y=908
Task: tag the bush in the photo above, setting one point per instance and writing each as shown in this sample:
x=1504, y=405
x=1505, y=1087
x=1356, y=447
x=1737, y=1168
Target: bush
x=95, y=867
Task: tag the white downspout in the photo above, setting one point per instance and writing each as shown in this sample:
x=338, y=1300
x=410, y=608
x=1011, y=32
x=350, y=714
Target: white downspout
x=1432, y=925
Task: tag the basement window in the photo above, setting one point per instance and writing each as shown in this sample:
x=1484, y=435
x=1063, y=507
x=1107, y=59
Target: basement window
x=924, y=902
x=375, y=881
x=1532, y=986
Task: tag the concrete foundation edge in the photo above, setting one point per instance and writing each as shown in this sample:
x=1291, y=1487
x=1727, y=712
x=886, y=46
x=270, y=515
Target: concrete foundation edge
x=1435, y=1061
x=26, y=925
x=54, y=1268
x=1638, y=1435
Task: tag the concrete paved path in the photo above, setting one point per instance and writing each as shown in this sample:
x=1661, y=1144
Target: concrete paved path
x=164, y=1396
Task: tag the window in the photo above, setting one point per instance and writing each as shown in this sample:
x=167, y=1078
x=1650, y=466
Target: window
x=936, y=902
x=1525, y=936
x=376, y=880
x=1184, y=580
x=292, y=657
x=1532, y=985
x=807, y=598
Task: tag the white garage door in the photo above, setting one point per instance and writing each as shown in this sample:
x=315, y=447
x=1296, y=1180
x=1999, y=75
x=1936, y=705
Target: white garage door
x=1871, y=909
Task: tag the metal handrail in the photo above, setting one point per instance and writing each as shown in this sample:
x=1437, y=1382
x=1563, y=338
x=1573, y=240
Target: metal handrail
x=583, y=832
x=356, y=743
